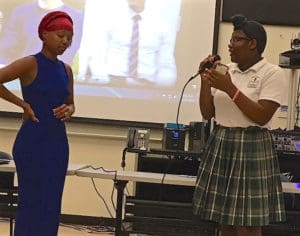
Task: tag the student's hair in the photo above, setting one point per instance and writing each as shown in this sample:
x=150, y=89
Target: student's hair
x=252, y=29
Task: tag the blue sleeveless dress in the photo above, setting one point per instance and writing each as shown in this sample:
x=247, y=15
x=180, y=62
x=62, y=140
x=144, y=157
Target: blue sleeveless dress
x=41, y=152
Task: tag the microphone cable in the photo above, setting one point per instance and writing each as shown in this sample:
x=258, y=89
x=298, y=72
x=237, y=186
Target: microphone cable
x=207, y=65
x=181, y=96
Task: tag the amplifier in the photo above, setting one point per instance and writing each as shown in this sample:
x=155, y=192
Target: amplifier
x=173, y=139
x=197, y=136
x=286, y=141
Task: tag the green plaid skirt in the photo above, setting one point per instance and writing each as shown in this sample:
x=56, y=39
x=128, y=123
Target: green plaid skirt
x=238, y=180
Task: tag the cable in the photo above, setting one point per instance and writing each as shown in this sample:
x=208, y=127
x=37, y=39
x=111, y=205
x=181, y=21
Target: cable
x=163, y=178
x=123, y=164
x=112, y=193
x=102, y=198
x=112, y=198
x=201, y=69
x=91, y=229
x=95, y=187
x=297, y=106
x=180, y=99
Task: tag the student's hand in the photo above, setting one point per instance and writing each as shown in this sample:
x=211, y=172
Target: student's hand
x=207, y=62
x=218, y=80
x=29, y=113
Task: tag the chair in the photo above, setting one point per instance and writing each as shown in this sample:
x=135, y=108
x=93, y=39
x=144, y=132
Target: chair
x=8, y=193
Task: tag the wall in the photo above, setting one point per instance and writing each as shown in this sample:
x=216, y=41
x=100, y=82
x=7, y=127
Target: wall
x=96, y=145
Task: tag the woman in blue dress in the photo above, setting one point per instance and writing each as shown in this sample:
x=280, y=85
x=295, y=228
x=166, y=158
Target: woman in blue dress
x=41, y=150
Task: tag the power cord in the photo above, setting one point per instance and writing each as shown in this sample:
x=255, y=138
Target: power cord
x=123, y=164
x=102, y=198
x=98, y=193
x=112, y=193
x=163, y=178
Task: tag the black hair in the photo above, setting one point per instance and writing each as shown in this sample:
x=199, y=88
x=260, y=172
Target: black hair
x=252, y=29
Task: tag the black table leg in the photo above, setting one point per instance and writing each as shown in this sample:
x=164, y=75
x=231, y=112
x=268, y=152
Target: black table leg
x=120, y=185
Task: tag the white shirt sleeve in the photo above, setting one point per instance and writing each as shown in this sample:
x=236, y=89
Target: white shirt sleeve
x=273, y=85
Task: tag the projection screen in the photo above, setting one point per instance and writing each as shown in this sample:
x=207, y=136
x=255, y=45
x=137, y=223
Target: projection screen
x=110, y=81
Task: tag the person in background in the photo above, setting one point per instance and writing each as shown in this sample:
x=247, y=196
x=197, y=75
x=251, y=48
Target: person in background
x=238, y=183
x=125, y=48
x=41, y=150
x=17, y=40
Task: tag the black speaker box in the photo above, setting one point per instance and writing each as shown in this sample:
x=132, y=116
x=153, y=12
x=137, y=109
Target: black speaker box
x=163, y=192
x=197, y=136
x=173, y=139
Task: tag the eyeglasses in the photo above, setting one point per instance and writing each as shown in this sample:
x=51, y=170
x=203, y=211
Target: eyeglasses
x=237, y=39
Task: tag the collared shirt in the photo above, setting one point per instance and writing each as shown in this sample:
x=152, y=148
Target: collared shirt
x=262, y=81
x=110, y=43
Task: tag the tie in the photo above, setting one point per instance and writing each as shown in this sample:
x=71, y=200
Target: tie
x=134, y=48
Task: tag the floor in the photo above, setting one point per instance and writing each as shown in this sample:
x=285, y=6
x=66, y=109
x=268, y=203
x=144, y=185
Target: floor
x=65, y=230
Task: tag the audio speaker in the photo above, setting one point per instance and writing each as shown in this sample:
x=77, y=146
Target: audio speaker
x=166, y=192
x=173, y=139
x=197, y=136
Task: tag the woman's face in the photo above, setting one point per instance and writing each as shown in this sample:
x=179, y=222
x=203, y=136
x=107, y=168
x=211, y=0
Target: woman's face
x=57, y=41
x=239, y=46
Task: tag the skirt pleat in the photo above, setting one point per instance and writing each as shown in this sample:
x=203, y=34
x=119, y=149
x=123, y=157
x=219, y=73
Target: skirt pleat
x=238, y=180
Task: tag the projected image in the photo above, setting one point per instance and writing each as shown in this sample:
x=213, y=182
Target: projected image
x=130, y=58
x=129, y=42
x=1, y=19
x=18, y=38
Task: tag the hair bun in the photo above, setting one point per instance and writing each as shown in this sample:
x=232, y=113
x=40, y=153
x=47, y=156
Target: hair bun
x=238, y=20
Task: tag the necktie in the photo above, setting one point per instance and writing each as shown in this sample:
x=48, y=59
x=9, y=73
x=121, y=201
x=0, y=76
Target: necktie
x=134, y=48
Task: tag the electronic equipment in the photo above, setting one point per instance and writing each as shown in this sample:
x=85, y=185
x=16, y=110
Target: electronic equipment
x=4, y=161
x=295, y=42
x=291, y=59
x=162, y=164
x=174, y=137
x=286, y=141
x=138, y=138
x=197, y=136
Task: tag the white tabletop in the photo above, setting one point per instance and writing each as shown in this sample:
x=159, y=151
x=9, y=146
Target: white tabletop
x=10, y=167
x=149, y=177
x=138, y=176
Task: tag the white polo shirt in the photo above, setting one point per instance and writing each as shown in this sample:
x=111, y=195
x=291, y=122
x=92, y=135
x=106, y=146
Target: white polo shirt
x=261, y=81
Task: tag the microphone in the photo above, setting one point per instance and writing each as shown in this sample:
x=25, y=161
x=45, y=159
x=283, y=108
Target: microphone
x=207, y=65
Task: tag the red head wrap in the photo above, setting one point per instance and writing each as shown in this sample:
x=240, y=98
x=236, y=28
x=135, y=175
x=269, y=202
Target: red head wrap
x=56, y=20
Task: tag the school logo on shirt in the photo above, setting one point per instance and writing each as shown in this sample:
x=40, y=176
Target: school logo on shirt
x=253, y=82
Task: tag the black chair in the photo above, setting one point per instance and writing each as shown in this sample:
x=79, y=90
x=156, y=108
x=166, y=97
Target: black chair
x=8, y=193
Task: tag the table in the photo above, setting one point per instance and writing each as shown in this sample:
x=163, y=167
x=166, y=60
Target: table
x=121, y=178
x=10, y=167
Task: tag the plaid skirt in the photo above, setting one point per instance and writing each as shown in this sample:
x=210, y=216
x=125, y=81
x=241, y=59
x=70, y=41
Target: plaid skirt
x=238, y=180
